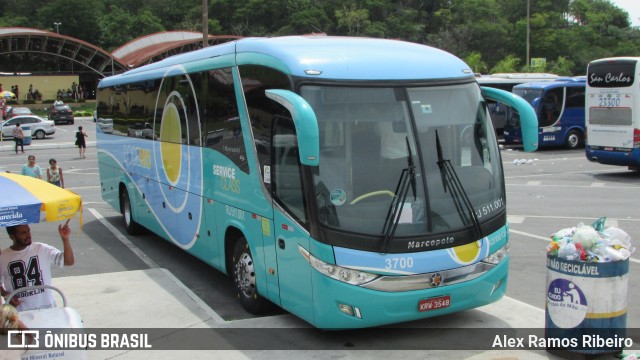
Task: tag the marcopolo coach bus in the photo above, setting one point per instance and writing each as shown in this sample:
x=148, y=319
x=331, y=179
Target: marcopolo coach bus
x=353, y=182
x=506, y=82
x=613, y=124
x=560, y=108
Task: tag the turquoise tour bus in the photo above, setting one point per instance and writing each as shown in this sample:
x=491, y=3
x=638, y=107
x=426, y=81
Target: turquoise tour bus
x=353, y=182
x=560, y=108
x=613, y=124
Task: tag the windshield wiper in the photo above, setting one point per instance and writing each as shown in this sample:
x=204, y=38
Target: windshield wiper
x=407, y=179
x=460, y=198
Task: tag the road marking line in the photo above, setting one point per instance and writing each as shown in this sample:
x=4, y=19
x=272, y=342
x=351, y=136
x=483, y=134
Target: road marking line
x=214, y=315
x=575, y=186
x=533, y=183
x=153, y=265
x=149, y=262
x=610, y=221
x=597, y=184
x=548, y=240
x=515, y=219
x=83, y=187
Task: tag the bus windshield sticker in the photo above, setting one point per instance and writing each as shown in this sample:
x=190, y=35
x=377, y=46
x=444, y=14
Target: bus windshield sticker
x=406, y=216
x=267, y=174
x=266, y=227
x=338, y=197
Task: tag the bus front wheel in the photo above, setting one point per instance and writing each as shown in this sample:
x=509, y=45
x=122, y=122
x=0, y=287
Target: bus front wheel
x=574, y=139
x=244, y=278
x=132, y=227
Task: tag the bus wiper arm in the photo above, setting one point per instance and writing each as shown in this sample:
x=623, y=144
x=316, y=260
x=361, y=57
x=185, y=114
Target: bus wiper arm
x=459, y=195
x=407, y=178
x=412, y=169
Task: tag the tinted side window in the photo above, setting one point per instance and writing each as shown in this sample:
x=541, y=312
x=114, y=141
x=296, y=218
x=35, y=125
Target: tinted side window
x=262, y=110
x=287, y=175
x=551, y=106
x=575, y=97
x=221, y=122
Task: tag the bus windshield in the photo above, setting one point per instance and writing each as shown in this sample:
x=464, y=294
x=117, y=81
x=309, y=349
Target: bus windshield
x=369, y=135
x=529, y=94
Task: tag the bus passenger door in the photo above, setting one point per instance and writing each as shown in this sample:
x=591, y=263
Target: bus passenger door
x=289, y=215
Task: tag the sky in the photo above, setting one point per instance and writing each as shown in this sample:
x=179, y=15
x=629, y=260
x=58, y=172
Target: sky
x=632, y=7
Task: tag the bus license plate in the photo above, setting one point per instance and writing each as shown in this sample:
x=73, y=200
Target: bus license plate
x=434, y=303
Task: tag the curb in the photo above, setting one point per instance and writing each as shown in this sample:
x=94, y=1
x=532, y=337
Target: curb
x=10, y=148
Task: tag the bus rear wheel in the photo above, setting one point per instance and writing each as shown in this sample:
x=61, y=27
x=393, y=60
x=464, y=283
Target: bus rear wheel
x=574, y=139
x=244, y=278
x=132, y=227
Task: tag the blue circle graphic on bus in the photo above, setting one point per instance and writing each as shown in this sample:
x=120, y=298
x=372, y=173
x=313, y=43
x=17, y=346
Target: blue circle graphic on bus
x=177, y=157
x=566, y=303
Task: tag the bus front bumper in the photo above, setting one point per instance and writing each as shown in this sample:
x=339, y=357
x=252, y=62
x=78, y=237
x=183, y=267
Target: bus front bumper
x=341, y=306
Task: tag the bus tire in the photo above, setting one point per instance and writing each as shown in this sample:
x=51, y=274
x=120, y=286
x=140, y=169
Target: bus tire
x=244, y=279
x=574, y=139
x=132, y=227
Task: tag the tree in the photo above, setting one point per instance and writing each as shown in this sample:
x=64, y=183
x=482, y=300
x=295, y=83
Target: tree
x=352, y=19
x=509, y=64
x=78, y=17
x=576, y=31
x=474, y=60
x=305, y=21
x=562, y=66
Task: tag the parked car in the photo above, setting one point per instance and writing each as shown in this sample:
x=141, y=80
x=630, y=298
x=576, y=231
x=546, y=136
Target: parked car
x=105, y=125
x=61, y=113
x=16, y=111
x=39, y=127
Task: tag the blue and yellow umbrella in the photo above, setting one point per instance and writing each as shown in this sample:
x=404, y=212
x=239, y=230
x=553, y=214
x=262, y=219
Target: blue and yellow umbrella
x=27, y=200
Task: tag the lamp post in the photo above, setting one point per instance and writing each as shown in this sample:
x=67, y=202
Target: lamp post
x=205, y=23
x=57, y=24
x=528, y=29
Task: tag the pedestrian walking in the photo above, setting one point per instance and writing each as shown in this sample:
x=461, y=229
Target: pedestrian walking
x=54, y=173
x=18, y=137
x=31, y=168
x=81, y=142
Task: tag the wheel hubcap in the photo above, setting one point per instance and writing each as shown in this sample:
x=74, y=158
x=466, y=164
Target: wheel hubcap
x=573, y=140
x=245, y=275
x=126, y=212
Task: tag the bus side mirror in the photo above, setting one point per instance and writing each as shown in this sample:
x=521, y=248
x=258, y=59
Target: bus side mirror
x=305, y=121
x=528, y=119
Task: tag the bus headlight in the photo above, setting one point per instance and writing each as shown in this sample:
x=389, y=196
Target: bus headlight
x=499, y=255
x=346, y=275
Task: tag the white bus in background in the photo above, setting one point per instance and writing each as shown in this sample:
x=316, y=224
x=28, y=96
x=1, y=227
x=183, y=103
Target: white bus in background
x=612, y=117
x=506, y=82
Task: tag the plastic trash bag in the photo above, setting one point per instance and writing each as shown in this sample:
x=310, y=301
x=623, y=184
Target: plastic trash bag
x=595, y=243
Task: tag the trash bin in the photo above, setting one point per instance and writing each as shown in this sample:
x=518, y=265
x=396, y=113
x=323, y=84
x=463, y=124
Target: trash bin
x=586, y=307
x=26, y=130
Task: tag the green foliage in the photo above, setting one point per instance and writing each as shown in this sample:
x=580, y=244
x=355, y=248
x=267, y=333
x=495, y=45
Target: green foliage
x=474, y=60
x=572, y=32
x=563, y=66
x=352, y=20
x=76, y=16
x=509, y=64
